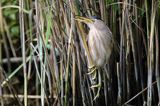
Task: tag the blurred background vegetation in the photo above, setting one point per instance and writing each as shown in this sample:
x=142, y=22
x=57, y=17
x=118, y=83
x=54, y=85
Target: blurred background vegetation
x=42, y=54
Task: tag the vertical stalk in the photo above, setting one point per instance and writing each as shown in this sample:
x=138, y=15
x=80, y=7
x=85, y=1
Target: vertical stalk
x=22, y=35
x=147, y=21
x=74, y=78
x=151, y=55
x=70, y=46
x=157, y=74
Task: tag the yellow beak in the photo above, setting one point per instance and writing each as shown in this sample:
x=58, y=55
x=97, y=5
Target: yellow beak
x=83, y=19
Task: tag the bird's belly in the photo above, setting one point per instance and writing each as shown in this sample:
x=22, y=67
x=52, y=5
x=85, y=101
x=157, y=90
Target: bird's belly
x=100, y=58
x=100, y=50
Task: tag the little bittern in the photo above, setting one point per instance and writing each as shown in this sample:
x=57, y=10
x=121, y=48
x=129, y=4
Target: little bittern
x=99, y=42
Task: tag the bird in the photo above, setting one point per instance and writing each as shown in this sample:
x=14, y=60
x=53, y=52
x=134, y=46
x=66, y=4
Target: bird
x=100, y=44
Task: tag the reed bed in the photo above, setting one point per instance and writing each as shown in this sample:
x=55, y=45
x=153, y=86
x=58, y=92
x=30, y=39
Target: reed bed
x=43, y=53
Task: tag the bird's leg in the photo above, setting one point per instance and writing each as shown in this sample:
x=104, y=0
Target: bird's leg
x=97, y=86
x=93, y=71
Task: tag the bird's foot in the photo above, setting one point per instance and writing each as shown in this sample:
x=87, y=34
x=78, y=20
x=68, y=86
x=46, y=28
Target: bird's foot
x=91, y=69
x=98, y=86
x=95, y=86
x=97, y=93
x=92, y=72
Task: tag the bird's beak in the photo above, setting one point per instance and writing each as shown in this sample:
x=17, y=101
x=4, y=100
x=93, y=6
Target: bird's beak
x=83, y=19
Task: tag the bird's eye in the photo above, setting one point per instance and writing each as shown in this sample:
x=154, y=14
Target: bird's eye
x=93, y=20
